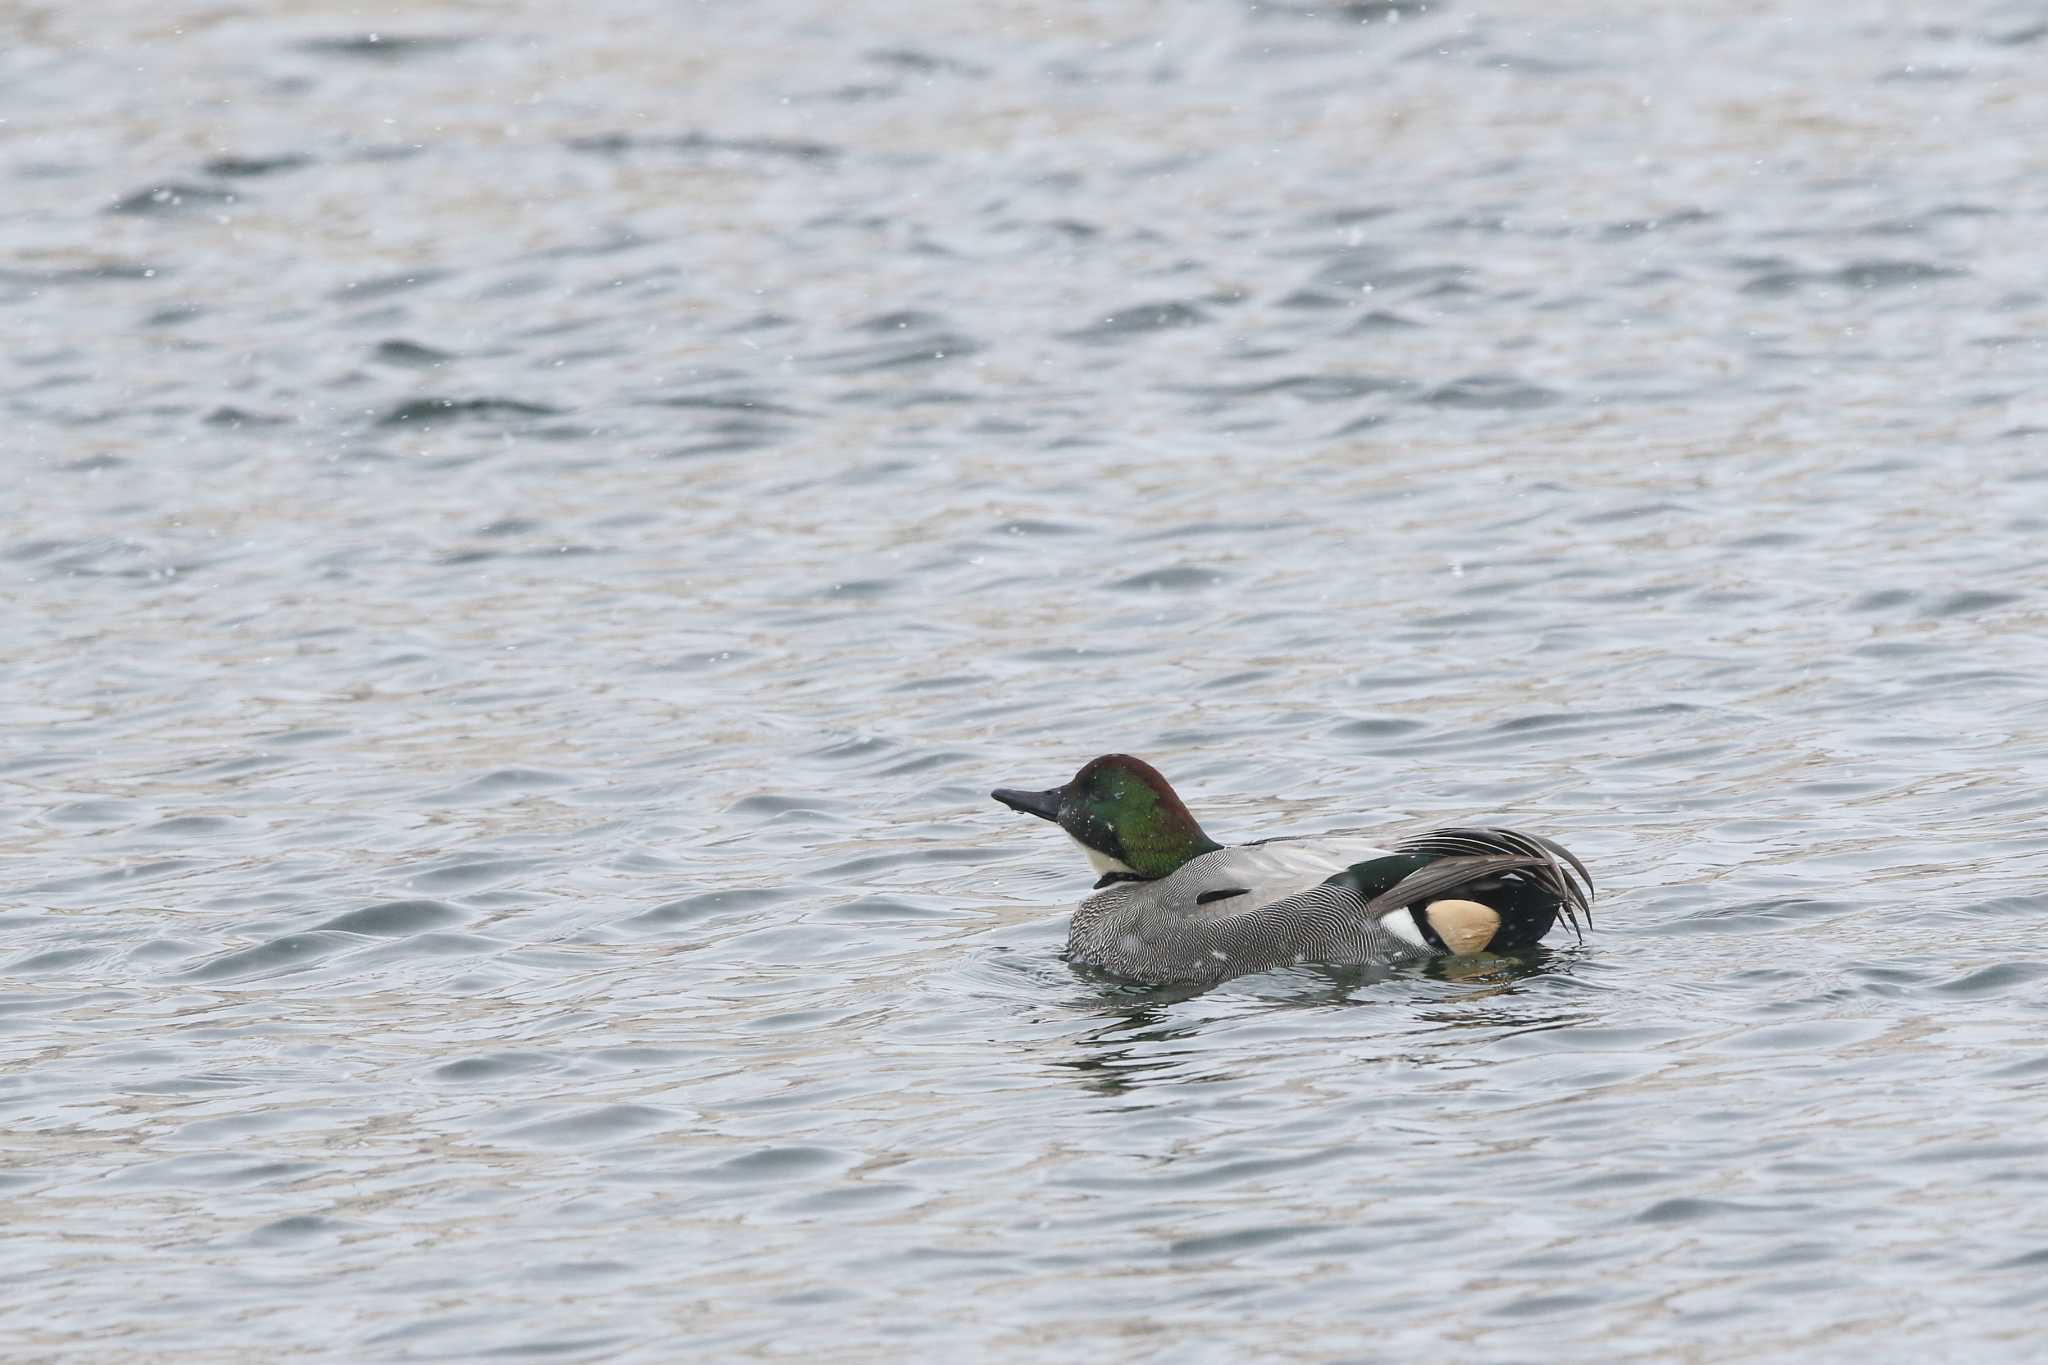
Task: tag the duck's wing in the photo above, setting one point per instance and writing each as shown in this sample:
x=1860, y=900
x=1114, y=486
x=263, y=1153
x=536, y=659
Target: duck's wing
x=1206, y=920
x=1235, y=880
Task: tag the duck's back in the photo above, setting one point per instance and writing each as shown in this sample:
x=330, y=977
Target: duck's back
x=1229, y=912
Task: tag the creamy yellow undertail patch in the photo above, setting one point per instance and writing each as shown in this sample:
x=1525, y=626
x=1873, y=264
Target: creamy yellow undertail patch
x=1464, y=926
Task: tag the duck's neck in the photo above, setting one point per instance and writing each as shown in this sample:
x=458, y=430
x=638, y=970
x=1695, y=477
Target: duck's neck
x=1165, y=848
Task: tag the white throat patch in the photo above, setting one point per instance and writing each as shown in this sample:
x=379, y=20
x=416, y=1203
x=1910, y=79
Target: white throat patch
x=1102, y=862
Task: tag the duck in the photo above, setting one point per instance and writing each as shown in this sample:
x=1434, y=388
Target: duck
x=1173, y=907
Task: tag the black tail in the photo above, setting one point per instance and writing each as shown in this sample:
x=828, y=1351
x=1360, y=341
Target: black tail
x=1466, y=855
x=1528, y=880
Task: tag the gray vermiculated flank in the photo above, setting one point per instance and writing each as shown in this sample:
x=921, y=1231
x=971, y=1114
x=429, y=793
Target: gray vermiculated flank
x=1158, y=932
x=1162, y=944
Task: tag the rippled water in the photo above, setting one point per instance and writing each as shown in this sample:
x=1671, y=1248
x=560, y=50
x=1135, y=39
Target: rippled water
x=532, y=530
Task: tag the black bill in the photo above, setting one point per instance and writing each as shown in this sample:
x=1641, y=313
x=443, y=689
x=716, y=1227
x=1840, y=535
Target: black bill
x=1045, y=805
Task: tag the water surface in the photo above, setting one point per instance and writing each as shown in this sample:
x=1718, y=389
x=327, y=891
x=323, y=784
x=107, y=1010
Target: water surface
x=532, y=530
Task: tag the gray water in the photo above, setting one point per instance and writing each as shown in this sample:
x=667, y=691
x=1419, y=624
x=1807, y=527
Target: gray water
x=530, y=531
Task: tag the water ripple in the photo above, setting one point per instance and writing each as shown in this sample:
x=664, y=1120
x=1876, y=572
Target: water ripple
x=531, y=543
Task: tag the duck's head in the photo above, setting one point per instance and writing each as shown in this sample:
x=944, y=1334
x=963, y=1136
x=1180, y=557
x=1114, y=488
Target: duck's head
x=1123, y=815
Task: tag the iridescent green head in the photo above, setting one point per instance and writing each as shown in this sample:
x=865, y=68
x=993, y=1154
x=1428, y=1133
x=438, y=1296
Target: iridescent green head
x=1123, y=815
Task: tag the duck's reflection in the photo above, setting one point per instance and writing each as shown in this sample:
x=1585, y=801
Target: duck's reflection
x=1149, y=1034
